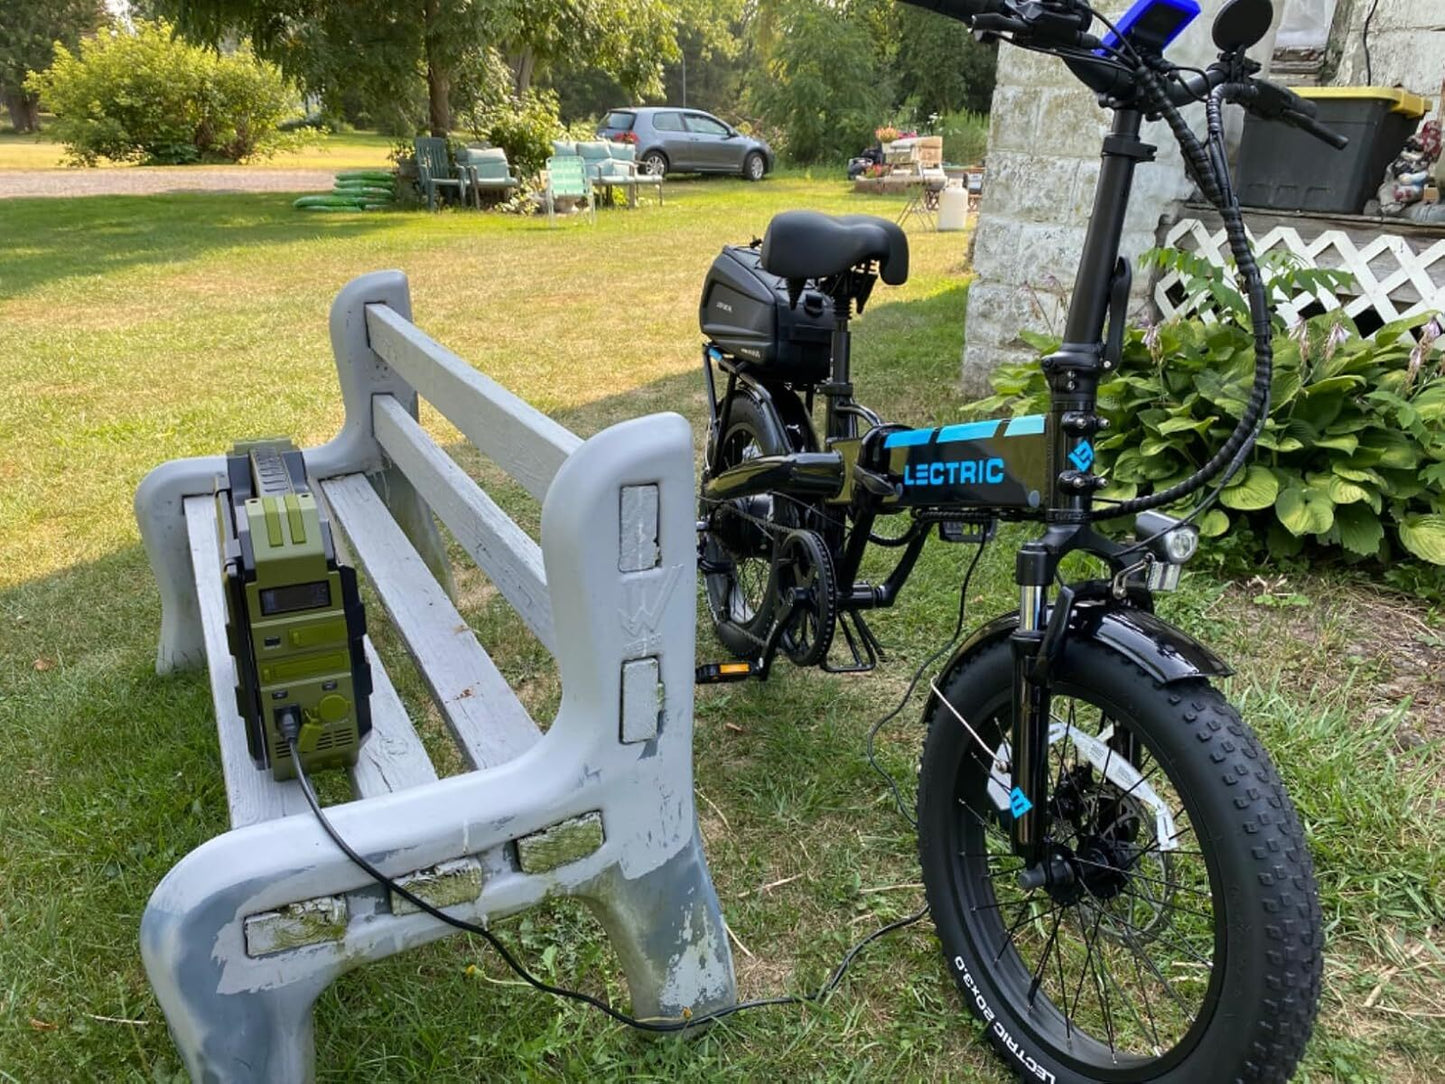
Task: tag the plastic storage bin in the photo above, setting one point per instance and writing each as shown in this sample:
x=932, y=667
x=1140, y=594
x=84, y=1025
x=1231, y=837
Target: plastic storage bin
x=1285, y=169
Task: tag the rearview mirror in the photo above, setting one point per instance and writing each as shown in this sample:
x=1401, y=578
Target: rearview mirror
x=1242, y=23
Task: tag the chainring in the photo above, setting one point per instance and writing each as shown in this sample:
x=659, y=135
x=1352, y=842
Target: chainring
x=807, y=597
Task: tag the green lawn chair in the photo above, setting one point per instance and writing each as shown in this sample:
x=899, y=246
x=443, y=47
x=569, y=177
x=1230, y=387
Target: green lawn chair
x=487, y=170
x=567, y=179
x=434, y=170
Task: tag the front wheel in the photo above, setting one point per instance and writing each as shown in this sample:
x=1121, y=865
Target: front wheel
x=754, y=166
x=1183, y=942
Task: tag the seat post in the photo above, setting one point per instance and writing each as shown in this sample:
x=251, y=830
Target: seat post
x=839, y=390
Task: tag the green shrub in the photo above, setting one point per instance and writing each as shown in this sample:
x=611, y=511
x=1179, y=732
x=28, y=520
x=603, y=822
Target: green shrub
x=965, y=137
x=523, y=127
x=149, y=97
x=1352, y=457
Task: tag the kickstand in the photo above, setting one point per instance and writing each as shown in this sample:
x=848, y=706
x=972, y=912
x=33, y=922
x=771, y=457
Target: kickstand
x=862, y=645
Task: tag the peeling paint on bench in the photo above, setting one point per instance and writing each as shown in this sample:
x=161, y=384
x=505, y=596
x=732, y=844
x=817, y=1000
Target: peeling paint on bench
x=297, y=924
x=560, y=845
x=247, y=930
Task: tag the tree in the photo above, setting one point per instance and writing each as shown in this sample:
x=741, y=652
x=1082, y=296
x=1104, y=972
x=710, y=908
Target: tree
x=942, y=67
x=824, y=83
x=29, y=30
x=381, y=49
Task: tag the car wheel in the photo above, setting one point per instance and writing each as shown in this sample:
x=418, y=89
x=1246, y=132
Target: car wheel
x=654, y=164
x=754, y=166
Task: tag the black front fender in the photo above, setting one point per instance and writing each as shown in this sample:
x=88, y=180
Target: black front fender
x=1162, y=651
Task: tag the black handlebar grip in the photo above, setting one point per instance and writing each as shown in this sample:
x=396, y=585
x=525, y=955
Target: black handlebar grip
x=1316, y=129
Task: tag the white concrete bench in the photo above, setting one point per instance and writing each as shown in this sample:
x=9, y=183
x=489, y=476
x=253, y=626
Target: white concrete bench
x=244, y=933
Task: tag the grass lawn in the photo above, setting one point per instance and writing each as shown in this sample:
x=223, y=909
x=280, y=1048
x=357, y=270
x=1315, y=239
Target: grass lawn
x=136, y=330
x=344, y=150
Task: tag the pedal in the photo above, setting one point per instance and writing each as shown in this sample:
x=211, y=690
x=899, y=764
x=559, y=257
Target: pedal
x=969, y=531
x=720, y=673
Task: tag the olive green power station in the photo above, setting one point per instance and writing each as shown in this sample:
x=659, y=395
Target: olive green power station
x=294, y=619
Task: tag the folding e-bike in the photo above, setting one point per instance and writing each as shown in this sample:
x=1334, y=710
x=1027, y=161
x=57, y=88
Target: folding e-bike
x=1119, y=881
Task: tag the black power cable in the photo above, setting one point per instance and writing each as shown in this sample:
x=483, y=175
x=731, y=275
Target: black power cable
x=290, y=729
x=908, y=692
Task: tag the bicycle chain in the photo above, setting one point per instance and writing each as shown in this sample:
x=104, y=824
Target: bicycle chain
x=774, y=531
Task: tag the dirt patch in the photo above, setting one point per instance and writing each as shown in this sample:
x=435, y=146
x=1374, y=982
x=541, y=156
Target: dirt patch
x=1387, y=644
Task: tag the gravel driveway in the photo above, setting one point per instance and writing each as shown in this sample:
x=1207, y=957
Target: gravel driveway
x=149, y=180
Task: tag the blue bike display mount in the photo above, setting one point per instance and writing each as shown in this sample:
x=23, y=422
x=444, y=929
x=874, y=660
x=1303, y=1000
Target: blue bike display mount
x=1152, y=24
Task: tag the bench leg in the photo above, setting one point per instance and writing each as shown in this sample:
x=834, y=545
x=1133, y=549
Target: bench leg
x=161, y=517
x=262, y=1036
x=667, y=929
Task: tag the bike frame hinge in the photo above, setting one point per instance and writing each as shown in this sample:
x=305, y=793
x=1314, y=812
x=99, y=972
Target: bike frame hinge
x=1082, y=423
x=835, y=387
x=1119, y=146
x=1081, y=358
x=1081, y=481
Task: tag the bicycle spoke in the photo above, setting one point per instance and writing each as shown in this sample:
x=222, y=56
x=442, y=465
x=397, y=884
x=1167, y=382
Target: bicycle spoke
x=1044, y=959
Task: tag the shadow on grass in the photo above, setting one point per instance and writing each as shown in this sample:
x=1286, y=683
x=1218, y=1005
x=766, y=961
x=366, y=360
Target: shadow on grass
x=98, y=235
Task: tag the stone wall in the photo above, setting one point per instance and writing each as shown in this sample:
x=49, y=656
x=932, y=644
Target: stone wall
x=1406, y=44
x=1043, y=161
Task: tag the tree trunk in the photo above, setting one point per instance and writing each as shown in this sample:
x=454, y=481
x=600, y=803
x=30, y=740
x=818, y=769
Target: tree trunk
x=24, y=111
x=523, y=66
x=438, y=76
x=439, y=106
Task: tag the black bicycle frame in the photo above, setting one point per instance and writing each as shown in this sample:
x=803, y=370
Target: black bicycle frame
x=1073, y=373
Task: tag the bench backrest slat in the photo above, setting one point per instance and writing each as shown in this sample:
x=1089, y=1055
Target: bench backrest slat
x=515, y=435
x=501, y=549
x=489, y=722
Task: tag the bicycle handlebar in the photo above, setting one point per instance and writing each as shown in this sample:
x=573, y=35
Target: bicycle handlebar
x=1043, y=24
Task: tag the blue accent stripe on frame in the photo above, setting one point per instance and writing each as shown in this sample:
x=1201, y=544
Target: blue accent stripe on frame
x=1026, y=426
x=968, y=431
x=908, y=437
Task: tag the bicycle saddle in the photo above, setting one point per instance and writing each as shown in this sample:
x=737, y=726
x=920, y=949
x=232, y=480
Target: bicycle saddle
x=809, y=245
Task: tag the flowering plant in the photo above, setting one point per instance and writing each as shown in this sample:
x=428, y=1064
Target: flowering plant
x=623, y=137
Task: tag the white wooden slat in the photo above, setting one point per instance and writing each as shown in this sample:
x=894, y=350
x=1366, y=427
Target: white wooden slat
x=502, y=550
x=252, y=795
x=392, y=757
x=483, y=713
x=517, y=436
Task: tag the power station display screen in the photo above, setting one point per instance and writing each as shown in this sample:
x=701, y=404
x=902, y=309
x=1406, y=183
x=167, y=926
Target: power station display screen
x=295, y=596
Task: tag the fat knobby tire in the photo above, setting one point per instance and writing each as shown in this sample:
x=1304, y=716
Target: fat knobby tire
x=1258, y=1024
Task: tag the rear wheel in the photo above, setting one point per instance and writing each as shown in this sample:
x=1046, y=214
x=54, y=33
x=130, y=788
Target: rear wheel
x=654, y=164
x=1183, y=941
x=740, y=539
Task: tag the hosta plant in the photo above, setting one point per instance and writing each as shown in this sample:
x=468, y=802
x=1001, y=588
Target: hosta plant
x=1352, y=456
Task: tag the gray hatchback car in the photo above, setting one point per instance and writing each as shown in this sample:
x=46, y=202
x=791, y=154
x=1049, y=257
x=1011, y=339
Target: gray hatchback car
x=687, y=141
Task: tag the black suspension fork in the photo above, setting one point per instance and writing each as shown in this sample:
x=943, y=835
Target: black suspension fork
x=1029, y=742
x=1073, y=376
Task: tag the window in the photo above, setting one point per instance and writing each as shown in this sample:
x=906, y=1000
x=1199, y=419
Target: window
x=706, y=125
x=668, y=122
x=620, y=121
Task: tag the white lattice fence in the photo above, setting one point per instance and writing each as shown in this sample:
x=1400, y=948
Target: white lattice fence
x=1395, y=274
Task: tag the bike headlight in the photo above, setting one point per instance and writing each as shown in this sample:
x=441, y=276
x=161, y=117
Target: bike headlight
x=1181, y=543
x=1169, y=539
